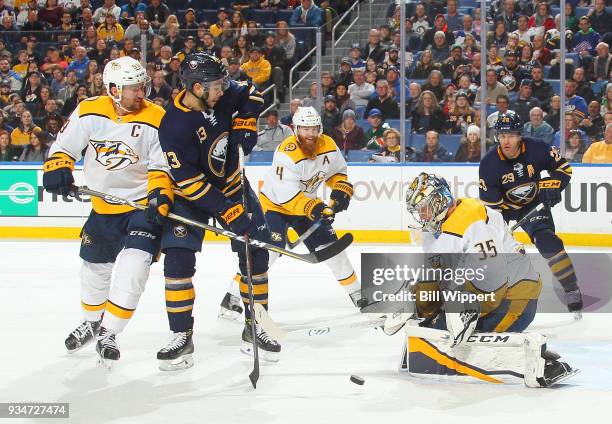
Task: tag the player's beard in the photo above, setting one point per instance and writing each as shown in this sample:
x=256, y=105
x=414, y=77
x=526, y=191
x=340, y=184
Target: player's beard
x=309, y=145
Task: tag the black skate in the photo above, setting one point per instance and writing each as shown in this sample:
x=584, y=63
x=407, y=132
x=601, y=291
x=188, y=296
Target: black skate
x=82, y=335
x=269, y=349
x=555, y=371
x=231, y=307
x=359, y=301
x=107, y=348
x=177, y=355
x=574, y=303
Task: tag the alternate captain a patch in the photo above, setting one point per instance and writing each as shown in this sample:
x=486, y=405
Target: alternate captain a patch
x=114, y=155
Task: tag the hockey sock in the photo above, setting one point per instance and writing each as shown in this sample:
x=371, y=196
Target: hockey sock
x=563, y=269
x=95, y=285
x=179, y=268
x=260, y=291
x=343, y=271
x=128, y=282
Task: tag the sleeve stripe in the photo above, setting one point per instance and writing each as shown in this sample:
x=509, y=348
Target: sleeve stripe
x=190, y=180
x=202, y=192
x=492, y=203
x=192, y=188
x=257, y=99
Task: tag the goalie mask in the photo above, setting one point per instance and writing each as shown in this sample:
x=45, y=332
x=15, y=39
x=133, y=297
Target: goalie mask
x=428, y=199
x=122, y=73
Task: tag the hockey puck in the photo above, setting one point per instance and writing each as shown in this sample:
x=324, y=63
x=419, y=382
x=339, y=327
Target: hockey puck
x=357, y=380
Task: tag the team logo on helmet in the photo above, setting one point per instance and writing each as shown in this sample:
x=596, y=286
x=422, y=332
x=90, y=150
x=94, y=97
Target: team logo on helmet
x=114, y=155
x=115, y=66
x=217, y=155
x=313, y=182
x=522, y=194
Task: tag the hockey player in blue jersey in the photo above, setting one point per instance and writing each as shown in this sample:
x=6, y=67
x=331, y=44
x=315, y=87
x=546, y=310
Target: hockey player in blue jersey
x=510, y=181
x=201, y=140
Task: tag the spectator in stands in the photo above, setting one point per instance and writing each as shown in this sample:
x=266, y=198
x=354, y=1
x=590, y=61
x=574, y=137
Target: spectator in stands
x=541, y=53
x=427, y=114
x=171, y=19
x=130, y=10
x=9, y=33
x=494, y=88
x=527, y=61
x=173, y=72
x=159, y=87
x=499, y=37
x=502, y=104
x=424, y=66
x=585, y=41
x=600, y=20
x=226, y=38
x=524, y=101
x=226, y=54
x=393, y=78
x=374, y=135
x=360, y=91
x=241, y=50
x=307, y=14
x=50, y=108
x=372, y=66
x=466, y=29
x=453, y=17
x=373, y=50
x=8, y=152
x=96, y=87
x=593, y=125
x=440, y=26
x=392, y=60
x=583, y=87
x=4, y=125
x=278, y=61
x=53, y=60
x=254, y=35
x=509, y=16
x=345, y=74
x=414, y=90
x=175, y=40
x=189, y=25
x=311, y=99
x=523, y=32
x=139, y=27
x=327, y=83
x=391, y=151
x=273, y=134
x=330, y=115
x=573, y=102
x=541, y=21
x=285, y=40
x=79, y=62
x=257, y=68
x=432, y=151
x=294, y=104
x=435, y=84
x=602, y=64
x=234, y=70
x=383, y=101
x=460, y=116
x=455, y=64
x=540, y=89
x=208, y=46
x=52, y=124
x=571, y=124
x=420, y=20
x=575, y=147
x=100, y=54
x=71, y=104
x=470, y=147
x=110, y=30
x=554, y=113
x=69, y=86
x=5, y=93
x=21, y=134
x=537, y=127
x=439, y=49
x=239, y=24
x=38, y=109
x=36, y=150
x=6, y=9
x=348, y=135
x=35, y=26
x=343, y=98
x=600, y=151
x=85, y=21
x=606, y=103
x=15, y=110
x=31, y=89
x=108, y=6
x=51, y=13
x=217, y=28
x=156, y=13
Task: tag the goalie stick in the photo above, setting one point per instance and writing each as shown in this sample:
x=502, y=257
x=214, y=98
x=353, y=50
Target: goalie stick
x=313, y=257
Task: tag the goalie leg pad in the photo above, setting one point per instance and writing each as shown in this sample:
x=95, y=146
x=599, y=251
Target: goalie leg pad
x=95, y=285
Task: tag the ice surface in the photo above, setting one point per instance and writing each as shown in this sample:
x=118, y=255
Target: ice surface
x=39, y=304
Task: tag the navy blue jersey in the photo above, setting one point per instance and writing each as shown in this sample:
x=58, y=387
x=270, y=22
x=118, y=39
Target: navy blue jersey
x=203, y=163
x=511, y=185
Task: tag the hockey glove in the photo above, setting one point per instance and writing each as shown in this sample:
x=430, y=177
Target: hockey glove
x=244, y=133
x=322, y=212
x=341, y=196
x=159, y=206
x=237, y=220
x=549, y=191
x=58, y=178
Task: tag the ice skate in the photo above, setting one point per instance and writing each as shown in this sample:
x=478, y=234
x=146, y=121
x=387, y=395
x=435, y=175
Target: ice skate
x=178, y=353
x=555, y=371
x=269, y=349
x=82, y=335
x=230, y=308
x=107, y=348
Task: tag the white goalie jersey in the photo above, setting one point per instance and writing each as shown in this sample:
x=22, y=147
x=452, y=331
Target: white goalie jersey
x=291, y=185
x=121, y=154
x=475, y=237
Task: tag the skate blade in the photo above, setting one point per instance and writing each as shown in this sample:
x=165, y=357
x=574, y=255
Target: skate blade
x=564, y=377
x=578, y=315
x=228, y=314
x=107, y=364
x=272, y=357
x=182, y=363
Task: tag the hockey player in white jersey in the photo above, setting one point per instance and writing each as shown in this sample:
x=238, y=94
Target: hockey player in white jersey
x=289, y=199
x=463, y=234
x=119, y=135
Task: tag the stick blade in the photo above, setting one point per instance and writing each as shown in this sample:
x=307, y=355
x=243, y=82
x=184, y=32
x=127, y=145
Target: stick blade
x=254, y=375
x=334, y=248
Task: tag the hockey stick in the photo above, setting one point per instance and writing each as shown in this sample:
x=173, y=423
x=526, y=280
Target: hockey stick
x=527, y=216
x=304, y=236
x=312, y=257
x=254, y=375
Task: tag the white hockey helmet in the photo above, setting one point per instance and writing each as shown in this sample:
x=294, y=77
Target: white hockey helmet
x=307, y=117
x=122, y=72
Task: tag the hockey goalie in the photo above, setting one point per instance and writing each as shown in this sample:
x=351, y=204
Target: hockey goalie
x=473, y=330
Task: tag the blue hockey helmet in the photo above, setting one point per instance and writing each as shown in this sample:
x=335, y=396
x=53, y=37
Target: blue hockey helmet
x=508, y=122
x=203, y=68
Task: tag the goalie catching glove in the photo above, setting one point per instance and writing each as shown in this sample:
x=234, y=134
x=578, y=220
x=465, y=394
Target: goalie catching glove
x=549, y=191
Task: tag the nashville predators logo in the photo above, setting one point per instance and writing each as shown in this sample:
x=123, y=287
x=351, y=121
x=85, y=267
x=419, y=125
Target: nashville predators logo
x=114, y=155
x=522, y=194
x=313, y=182
x=276, y=236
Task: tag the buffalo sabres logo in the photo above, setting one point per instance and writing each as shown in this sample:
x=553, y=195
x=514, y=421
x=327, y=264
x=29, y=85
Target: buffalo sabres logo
x=313, y=182
x=114, y=155
x=217, y=155
x=276, y=236
x=193, y=64
x=180, y=231
x=522, y=194
x=518, y=168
